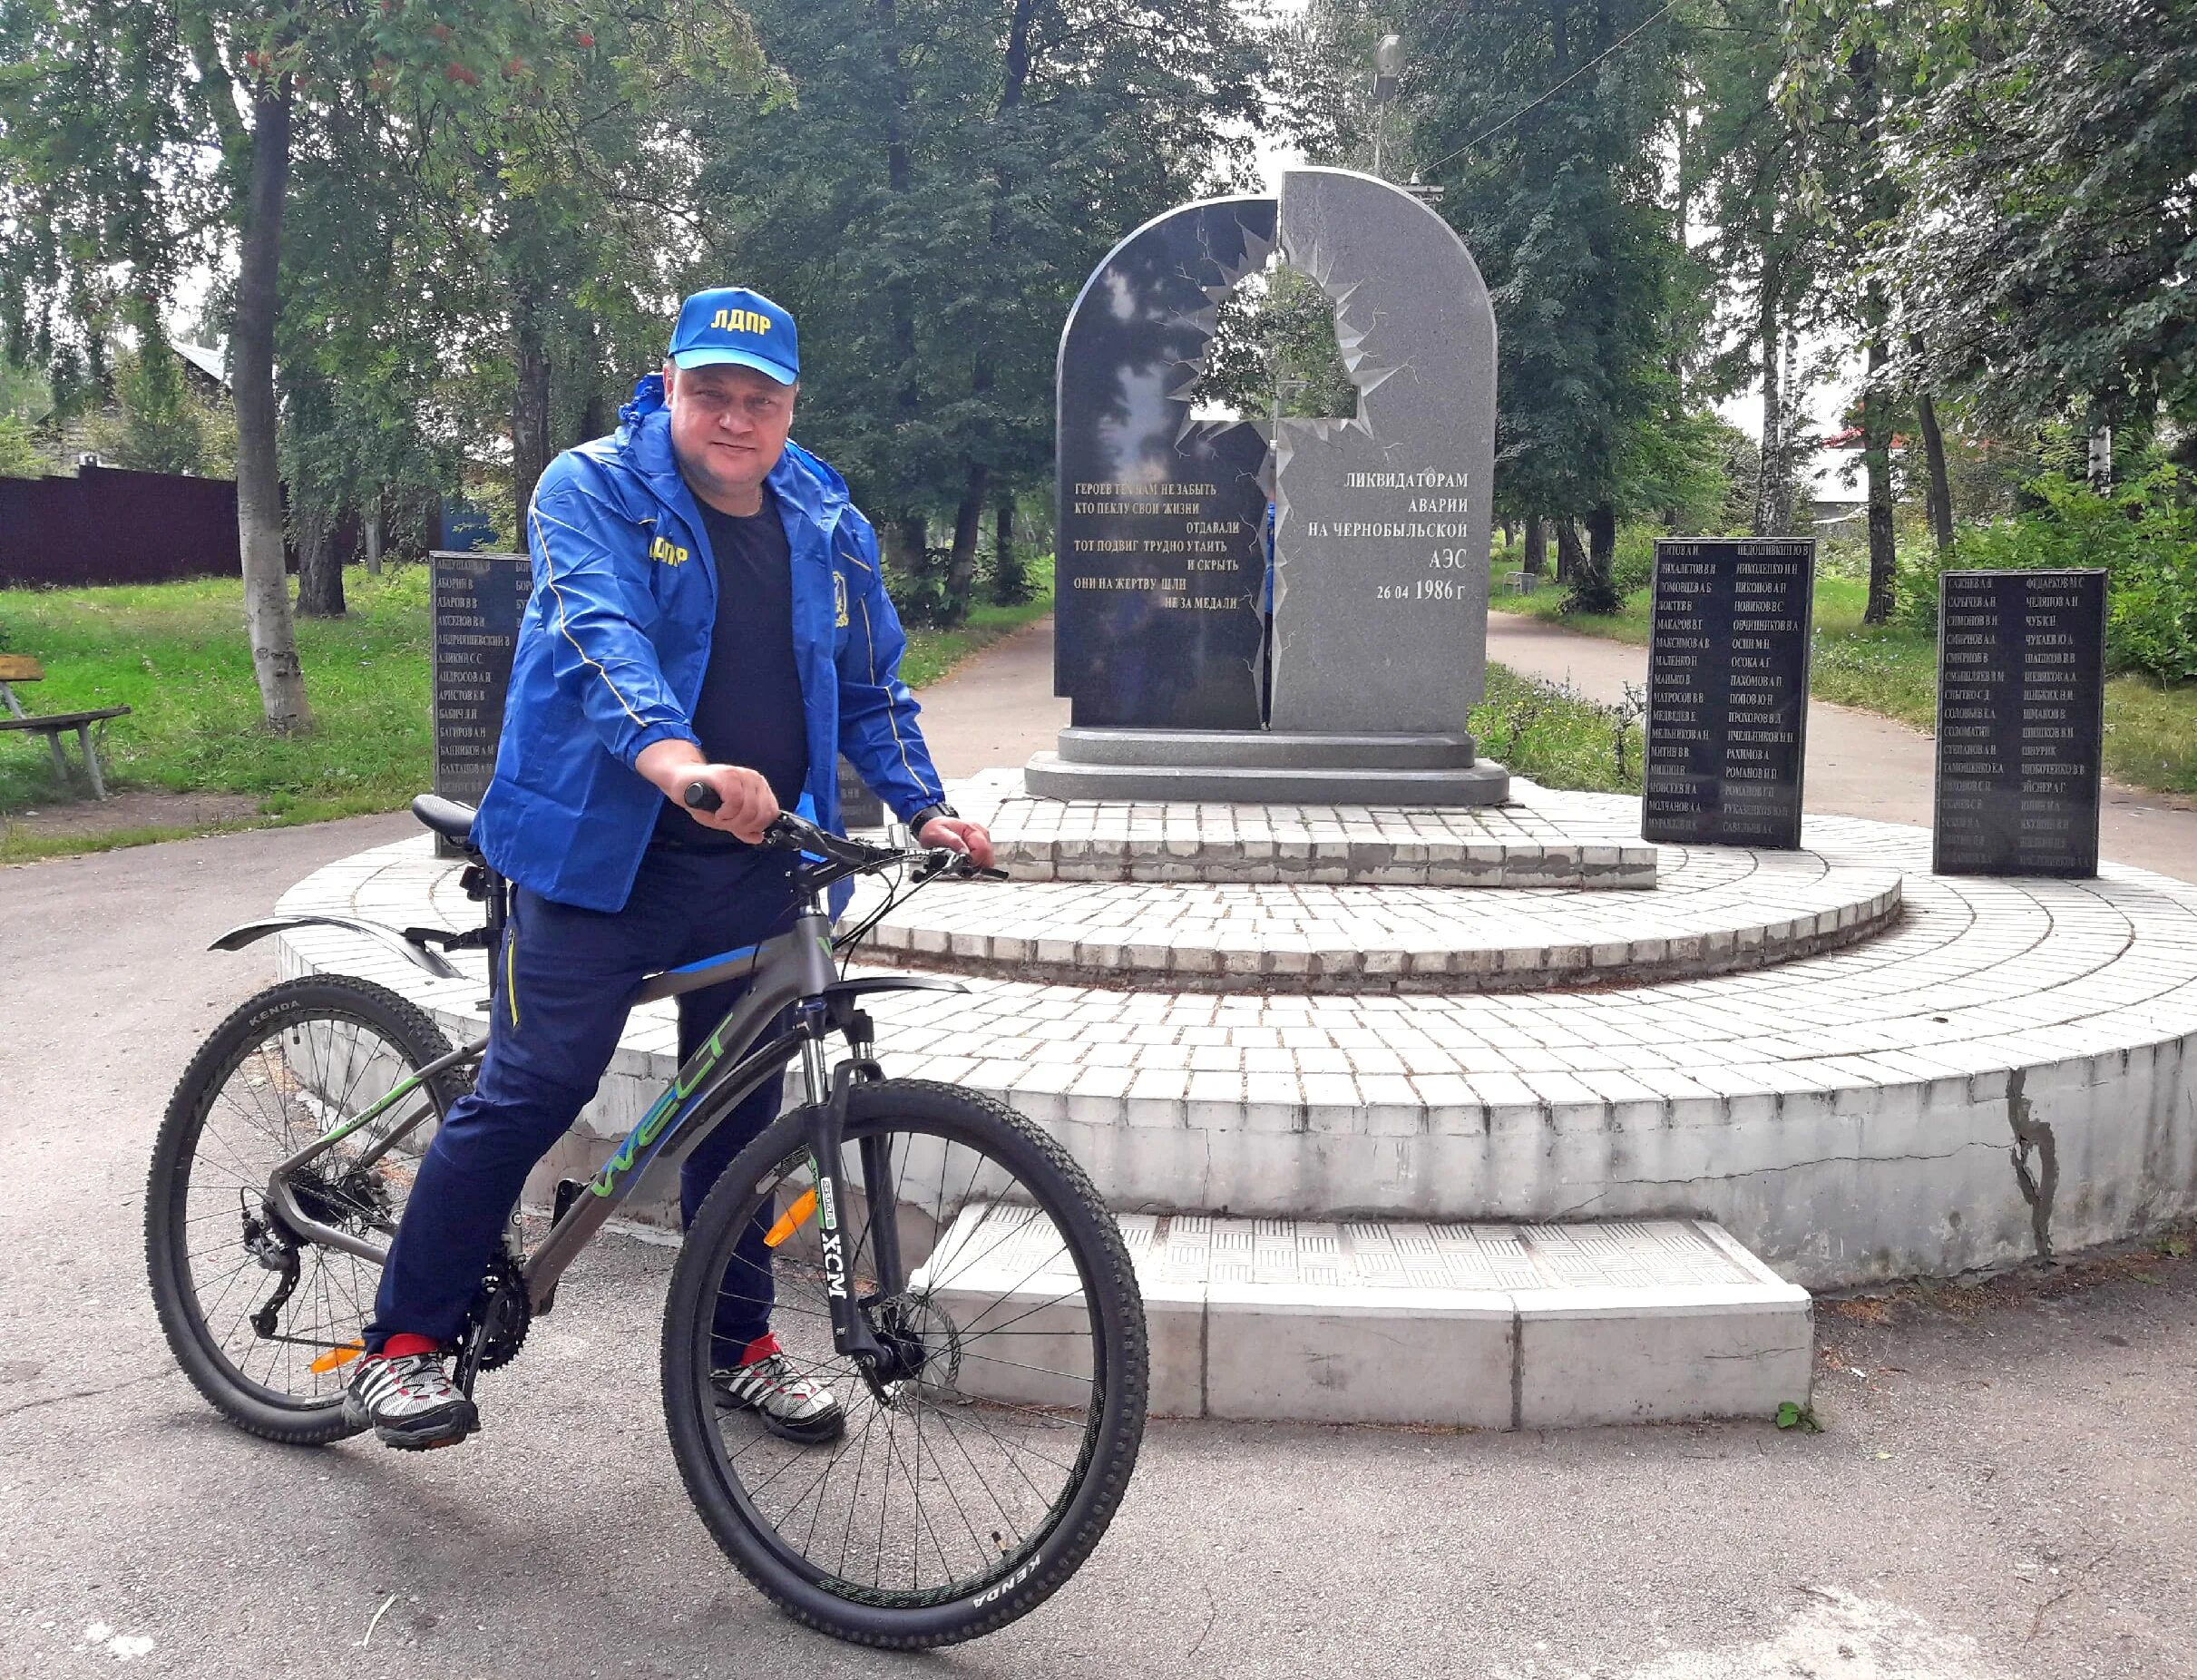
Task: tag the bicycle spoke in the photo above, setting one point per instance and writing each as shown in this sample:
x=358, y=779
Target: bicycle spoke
x=299, y=1080
x=946, y=1478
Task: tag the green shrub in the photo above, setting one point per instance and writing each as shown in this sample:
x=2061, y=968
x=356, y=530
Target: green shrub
x=2142, y=533
x=1633, y=561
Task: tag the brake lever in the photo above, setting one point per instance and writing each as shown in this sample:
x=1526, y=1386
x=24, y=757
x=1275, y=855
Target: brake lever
x=945, y=861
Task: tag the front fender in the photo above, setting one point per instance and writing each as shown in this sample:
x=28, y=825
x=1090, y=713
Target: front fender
x=433, y=962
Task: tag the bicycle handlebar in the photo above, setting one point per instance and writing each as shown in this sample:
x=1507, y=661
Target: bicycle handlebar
x=796, y=833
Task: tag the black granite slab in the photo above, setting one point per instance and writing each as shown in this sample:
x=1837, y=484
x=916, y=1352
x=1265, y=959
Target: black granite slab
x=858, y=806
x=1727, y=717
x=478, y=601
x=2021, y=722
x=1161, y=560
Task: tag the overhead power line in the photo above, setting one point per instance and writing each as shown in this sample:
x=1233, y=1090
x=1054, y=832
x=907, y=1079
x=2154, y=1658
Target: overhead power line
x=1489, y=133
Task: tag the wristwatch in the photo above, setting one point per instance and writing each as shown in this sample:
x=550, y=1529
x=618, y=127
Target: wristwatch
x=921, y=819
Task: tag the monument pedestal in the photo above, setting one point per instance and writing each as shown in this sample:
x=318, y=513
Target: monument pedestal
x=1266, y=766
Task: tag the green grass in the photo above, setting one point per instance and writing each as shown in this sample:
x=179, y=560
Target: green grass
x=2151, y=729
x=175, y=653
x=1554, y=736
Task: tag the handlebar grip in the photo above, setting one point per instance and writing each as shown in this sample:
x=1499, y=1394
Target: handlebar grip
x=701, y=797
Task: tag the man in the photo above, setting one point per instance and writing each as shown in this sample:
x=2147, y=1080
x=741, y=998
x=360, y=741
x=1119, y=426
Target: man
x=708, y=606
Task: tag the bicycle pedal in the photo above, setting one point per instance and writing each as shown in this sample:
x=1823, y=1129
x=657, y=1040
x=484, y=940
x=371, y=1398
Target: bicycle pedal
x=568, y=1192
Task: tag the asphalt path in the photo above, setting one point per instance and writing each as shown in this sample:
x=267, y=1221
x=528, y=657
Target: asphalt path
x=2003, y=1488
x=1858, y=764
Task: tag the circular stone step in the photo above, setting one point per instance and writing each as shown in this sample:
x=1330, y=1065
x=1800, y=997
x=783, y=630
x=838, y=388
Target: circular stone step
x=1879, y=1111
x=1716, y=911
x=1540, y=839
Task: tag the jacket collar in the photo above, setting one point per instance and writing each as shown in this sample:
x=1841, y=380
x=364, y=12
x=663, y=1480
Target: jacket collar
x=800, y=480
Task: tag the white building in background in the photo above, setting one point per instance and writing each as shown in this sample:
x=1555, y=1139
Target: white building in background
x=1832, y=483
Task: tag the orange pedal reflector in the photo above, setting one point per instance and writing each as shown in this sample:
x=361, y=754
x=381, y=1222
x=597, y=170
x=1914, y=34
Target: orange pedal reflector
x=790, y=1220
x=336, y=1358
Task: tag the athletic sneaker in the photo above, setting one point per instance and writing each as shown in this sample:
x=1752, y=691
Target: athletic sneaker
x=796, y=1407
x=410, y=1401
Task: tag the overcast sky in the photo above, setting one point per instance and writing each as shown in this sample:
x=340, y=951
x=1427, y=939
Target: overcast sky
x=1824, y=403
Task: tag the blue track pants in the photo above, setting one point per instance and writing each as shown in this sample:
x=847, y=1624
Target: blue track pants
x=563, y=982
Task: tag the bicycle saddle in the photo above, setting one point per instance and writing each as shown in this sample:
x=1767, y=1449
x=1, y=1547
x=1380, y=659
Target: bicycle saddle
x=447, y=818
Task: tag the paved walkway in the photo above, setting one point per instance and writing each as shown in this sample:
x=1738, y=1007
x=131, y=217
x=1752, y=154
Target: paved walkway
x=2004, y=1491
x=1859, y=763
x=999, y=708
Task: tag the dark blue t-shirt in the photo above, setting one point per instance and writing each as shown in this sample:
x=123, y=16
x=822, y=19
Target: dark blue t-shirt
x=750, y=710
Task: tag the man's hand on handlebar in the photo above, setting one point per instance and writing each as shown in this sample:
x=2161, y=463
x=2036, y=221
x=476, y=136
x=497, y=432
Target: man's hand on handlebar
x=743, y=804
x=956, y=834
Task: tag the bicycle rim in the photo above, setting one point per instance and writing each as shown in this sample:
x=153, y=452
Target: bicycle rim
x=944, y=1487
x=283, y=1317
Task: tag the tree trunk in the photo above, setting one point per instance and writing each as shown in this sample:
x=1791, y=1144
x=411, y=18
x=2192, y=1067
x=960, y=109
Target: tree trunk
x=1592, y=588
x=1010, y=588
x=597, y=414
x=899, y=180
x=1940, y=493
x=907, y=543
x=596, y=417
x=320, y=566
x=1877, y=460
x=1770, y=513
x=1536, y=545
x=1571, y=558
x=960, y=563
x=267, y=601
x=369, y=529
x=529, y=400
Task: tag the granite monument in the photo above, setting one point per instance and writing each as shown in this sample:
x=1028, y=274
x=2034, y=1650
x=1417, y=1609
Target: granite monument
x=2021, y=720
x=1371, y=622
x=1727, y=706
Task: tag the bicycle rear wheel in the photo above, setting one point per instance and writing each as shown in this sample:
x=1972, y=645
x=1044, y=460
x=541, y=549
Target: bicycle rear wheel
x=263, y=1320
x=961, y=1497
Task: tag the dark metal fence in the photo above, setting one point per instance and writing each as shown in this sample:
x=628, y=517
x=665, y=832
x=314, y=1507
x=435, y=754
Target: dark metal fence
x=109, y=526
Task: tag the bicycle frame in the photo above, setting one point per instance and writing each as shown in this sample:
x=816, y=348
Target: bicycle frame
x=792, y=972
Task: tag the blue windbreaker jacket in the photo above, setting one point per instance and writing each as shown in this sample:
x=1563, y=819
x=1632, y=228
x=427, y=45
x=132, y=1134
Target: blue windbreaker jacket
x=616, y=639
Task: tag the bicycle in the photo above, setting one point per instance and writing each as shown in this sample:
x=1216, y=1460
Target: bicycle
x=936, y=1256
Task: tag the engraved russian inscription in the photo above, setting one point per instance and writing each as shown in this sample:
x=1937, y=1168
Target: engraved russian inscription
x=1727, y=718
x=479, y=598
x=2021, y=709
x=1161, y=557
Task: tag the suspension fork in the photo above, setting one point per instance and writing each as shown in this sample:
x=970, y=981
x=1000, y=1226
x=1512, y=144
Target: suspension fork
x=851, y=1331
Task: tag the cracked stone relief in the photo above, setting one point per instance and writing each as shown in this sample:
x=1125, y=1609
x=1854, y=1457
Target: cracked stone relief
x=1160, y=561
x=1381, y=523
x=1379, y=613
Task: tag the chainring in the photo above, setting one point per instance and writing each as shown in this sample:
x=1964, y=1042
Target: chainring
x=501, y=1313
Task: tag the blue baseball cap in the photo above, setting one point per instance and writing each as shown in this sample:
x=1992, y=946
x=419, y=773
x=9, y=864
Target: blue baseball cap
x=732, y=325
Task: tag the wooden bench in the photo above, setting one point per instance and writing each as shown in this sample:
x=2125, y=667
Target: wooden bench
x=20, y=668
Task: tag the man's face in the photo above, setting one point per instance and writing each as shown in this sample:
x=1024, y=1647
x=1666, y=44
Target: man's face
x=728, y=428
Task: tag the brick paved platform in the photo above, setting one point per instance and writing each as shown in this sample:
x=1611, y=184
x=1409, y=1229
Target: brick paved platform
x=1715, y=910
x=1877, y=1111
x=1540, y=839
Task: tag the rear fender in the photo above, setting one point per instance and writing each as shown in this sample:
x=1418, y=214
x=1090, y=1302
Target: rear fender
x=433, y=962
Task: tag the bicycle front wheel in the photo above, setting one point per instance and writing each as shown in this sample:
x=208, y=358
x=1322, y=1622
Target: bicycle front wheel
x=961, y=1494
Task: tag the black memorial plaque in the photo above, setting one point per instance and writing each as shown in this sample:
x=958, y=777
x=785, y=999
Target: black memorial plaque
x=1727, y=717
x=1160, y=560
x=479, y=600
x=2021, y=722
